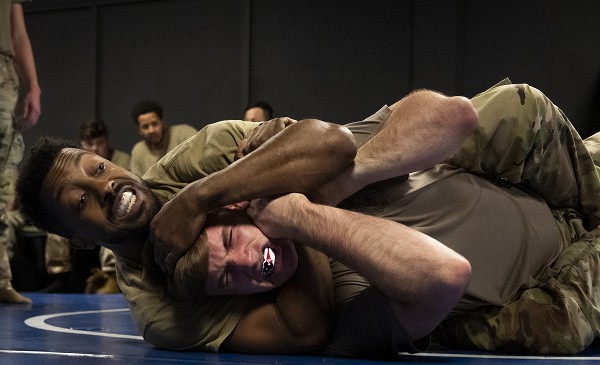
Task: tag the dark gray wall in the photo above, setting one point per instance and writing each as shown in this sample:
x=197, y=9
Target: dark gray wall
x=336, y=60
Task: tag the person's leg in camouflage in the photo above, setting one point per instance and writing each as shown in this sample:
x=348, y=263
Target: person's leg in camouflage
x=11, y=153
x=525, y=139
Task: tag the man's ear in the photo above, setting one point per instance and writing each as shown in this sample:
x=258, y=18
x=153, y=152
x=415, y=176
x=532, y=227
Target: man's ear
x=82, y=243
x=238, y=206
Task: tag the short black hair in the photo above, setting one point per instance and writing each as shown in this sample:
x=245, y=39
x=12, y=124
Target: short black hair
x=264, y=106
x=32, y=173
x=146, y=106
x=92, y=128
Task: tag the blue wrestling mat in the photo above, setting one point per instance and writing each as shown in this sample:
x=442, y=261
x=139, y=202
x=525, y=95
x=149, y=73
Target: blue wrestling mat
x=71, y=329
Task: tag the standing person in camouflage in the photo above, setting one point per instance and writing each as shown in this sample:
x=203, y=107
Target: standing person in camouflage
x=17, y=73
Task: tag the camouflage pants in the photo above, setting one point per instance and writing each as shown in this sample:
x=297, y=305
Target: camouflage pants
x=11, y=153
x=526, y=140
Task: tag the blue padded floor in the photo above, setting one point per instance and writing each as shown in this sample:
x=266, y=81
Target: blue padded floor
x=71, y=329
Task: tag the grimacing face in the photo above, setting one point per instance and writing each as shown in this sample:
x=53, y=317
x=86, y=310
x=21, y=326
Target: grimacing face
x=96, y=199
x=235, y=256
x=151, y=128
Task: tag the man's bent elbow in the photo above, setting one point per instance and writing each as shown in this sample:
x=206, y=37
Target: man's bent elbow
x=461, y=276
x=466, y=117
x=454, y=281
x=437, y=298
x=450, y=281
x=340, y=138
x=345, y=142
x=336, y=140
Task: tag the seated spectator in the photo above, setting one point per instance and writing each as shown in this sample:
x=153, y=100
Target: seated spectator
x=259, y=111
x=158, y=137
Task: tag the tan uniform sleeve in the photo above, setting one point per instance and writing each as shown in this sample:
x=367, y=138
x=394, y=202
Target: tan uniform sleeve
x=212, y=149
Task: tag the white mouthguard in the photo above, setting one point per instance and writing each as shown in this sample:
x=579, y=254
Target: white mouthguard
x=268, y=262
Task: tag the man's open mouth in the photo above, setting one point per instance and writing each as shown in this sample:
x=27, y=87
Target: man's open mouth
x=268, y=265
x=127, y=201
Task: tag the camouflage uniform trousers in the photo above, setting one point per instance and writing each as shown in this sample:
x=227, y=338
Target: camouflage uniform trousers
x=526, y=140
x=11, y=153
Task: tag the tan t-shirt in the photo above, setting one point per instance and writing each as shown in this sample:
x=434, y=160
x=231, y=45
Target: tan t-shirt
x=462, y=211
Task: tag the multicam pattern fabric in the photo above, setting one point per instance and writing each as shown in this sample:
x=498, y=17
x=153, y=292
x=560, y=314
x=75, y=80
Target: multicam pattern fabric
x=526, y=140
x=11, y=153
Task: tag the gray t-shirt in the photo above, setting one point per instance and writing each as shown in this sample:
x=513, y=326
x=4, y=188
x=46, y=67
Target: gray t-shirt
x=509, y=236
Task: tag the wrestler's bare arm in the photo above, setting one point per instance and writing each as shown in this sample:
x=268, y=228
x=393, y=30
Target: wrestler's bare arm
x=300, y=158
x=423, y=129
x=423, y=278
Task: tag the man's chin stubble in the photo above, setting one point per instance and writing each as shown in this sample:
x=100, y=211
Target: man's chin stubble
x=140, y=233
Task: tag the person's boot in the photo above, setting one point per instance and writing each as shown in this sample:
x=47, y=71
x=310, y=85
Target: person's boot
x=11, y=296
